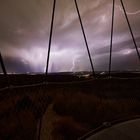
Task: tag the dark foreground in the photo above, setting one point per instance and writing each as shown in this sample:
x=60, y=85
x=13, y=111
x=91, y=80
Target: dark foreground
x=81, y=106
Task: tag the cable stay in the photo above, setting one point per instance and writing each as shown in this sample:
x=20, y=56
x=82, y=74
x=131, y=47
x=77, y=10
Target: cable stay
x=111, y=40
x=133, y=38
x=50, y=37
x=112, y=31
x=85, y=38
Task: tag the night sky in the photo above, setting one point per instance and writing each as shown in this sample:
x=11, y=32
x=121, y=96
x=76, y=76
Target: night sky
x=25, y=26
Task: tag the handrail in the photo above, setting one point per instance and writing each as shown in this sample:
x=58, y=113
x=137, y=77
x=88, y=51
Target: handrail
x=67, y=83
x=106, y=125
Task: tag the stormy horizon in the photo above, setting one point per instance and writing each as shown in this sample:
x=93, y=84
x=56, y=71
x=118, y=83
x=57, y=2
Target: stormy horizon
x=25, y=27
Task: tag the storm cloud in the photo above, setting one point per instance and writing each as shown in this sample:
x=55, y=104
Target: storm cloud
x=25, y=26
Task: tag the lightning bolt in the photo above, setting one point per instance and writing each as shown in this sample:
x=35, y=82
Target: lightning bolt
x=74, y=62
x=129, y=13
